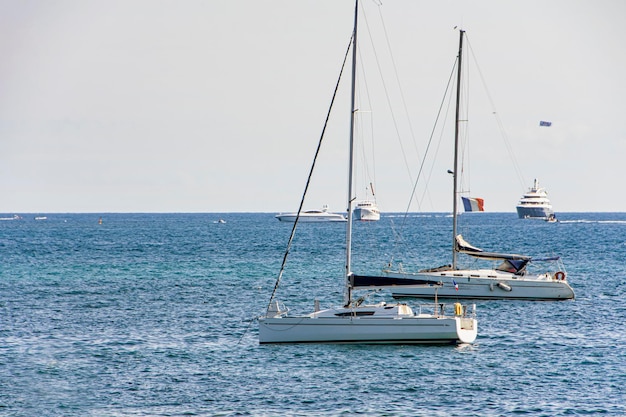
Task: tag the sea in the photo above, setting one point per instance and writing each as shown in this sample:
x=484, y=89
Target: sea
x=156, y=315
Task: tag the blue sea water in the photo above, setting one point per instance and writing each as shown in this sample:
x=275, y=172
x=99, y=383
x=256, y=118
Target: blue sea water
x=154, y=315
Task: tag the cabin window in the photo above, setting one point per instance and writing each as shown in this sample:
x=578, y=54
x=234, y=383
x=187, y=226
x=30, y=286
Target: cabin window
x=355, y=313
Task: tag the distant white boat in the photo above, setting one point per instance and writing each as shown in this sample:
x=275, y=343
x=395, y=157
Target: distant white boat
x=312, y=216
x=41, y=218
x=15, y=217
x=535, y=204
x=366, y=210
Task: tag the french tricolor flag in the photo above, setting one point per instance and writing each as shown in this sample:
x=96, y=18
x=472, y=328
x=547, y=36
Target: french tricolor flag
x=456, y=286
x=473, y=204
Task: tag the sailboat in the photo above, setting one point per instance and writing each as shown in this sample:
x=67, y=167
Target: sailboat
x=355, y=321
x=509, y=280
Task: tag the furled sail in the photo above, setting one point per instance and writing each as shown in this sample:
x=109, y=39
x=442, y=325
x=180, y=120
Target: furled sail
x=373, y=281
x=510, y=262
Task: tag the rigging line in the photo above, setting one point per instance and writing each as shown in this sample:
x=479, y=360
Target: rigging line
x=442, y=131
x=245, y=330
x=308, y=181
x=419, y=174
x=384, y=85
x=360, y=129
x=430, y=139
x=507, y=143
x=395, y=69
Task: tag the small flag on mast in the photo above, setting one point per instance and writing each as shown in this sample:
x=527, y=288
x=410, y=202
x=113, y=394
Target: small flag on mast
x=547, y=124
x=456, y=286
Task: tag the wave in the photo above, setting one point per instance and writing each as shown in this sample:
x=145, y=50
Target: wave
x=426, y=216
x=594, y=221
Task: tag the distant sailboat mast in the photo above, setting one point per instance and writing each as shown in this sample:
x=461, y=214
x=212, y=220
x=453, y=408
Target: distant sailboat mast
x=456, y=151
x=348, y=292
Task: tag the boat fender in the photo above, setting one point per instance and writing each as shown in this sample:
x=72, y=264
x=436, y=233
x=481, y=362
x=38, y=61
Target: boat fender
x=560, y=276
x=458, y=309
x=503, y=286
x=491, y=287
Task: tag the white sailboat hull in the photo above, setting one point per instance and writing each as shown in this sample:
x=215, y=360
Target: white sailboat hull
x=486, y=285
x=379, y=323
x=367, y=330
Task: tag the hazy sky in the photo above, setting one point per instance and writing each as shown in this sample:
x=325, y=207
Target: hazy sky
x=217, y=106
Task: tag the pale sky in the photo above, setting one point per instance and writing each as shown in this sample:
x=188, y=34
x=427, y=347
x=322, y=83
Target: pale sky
x=217, y=106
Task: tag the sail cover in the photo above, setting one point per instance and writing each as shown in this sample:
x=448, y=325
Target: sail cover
x=473, y=204
x=373, y=281
x=511, y=262
x=462, y=246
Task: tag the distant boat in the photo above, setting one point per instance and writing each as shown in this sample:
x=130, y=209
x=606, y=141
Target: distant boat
x=535, y=204
x=312, y=216
x=221, y=221
x=366, y=210
x=14, y=217
x=355, y=321
x=552, y=219
x=41, y=218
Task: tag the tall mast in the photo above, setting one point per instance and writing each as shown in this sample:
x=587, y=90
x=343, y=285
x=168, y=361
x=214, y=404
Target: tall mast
x=456, y=149
x=348, y=292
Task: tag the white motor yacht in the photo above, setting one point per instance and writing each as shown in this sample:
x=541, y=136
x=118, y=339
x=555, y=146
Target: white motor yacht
x=366, y=210
x=312, y=216
x=535, y=204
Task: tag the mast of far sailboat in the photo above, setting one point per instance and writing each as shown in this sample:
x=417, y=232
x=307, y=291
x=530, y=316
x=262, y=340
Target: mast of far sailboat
x=348, y=291
x=456, y=151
